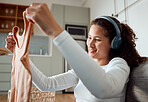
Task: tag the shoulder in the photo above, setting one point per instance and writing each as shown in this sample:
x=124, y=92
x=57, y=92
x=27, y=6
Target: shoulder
x=117, y=60
x=118, y=64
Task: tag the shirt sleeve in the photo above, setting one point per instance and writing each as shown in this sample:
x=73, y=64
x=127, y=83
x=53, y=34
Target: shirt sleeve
x=53, y=83
x=101, y=83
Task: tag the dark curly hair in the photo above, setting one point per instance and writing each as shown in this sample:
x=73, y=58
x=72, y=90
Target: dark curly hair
x=127, y=50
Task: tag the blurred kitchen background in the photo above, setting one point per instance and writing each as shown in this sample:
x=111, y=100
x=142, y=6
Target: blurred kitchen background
x=73, y=16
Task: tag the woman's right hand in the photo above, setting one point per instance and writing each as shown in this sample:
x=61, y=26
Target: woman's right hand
x=10, y=42
x=40, y=14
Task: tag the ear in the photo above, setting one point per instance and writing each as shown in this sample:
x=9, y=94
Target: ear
x=25, y=21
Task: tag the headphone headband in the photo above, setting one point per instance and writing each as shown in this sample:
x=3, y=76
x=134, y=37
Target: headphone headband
x=116, y=42
x=113, y=23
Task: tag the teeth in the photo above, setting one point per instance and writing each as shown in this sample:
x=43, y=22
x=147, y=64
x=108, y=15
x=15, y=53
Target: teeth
x=92, y=50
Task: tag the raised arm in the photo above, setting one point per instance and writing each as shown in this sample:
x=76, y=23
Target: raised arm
x=101, y=83
x=53, y=83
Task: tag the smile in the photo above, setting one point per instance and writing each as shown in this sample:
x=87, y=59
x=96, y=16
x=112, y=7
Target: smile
x=92, y=51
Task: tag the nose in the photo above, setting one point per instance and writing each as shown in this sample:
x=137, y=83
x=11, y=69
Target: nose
x=90, y=43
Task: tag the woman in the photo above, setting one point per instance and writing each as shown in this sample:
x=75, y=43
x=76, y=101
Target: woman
x=100, y=76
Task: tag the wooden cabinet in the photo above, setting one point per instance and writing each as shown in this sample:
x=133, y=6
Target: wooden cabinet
x=10, y=16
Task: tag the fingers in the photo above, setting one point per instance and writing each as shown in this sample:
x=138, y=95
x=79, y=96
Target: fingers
x=10, y=45
x=33, y=12
x=10, y=42
x=30, y=12
x=10, y=35
x=41, y=15
x=35, y=4
x=26, y=18
x=30, y=15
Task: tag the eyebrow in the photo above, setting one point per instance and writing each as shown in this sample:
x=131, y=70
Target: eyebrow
x=95, y=36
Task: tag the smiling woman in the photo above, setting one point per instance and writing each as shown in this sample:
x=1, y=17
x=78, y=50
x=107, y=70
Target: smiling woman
x=98, y=45
x=113, y=63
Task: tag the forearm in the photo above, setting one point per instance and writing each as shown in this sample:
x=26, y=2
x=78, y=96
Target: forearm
x=97, y=81
x=53, y=83
x=37, y=76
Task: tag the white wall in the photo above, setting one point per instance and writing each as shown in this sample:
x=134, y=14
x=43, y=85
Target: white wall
x=99, y=7
x=138, y=20
x=135, y=15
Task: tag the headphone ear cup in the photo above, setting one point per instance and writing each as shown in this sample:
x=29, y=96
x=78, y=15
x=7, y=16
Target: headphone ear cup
x=116, y=42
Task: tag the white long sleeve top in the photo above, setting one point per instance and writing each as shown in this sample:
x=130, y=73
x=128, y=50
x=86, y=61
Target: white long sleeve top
x=94, y=83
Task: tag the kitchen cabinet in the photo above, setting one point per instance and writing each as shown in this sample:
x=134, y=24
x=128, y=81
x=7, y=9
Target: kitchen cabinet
x=76, y=15
x=70, y=15
x=58, y=13
x=11, y=15
x=43, y=64
x=66, y=15
x=5, y=72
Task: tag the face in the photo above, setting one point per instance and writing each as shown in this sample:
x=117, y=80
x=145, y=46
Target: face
x=98, y=45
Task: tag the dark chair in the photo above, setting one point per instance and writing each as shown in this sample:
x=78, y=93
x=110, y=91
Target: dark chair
x=137, y=88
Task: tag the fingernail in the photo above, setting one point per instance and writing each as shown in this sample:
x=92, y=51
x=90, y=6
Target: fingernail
x=10, y=33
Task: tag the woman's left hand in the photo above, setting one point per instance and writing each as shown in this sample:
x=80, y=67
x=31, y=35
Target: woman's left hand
x=40, y=14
